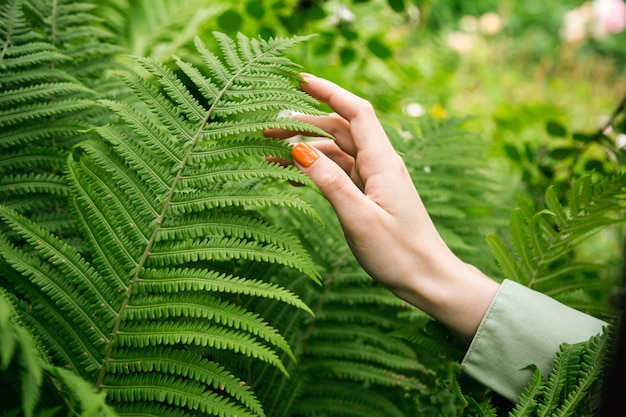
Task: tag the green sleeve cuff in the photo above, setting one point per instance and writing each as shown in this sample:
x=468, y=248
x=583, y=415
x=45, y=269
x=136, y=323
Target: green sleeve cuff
x=522, y=327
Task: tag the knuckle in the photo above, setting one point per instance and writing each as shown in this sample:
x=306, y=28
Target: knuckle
x=363, y=106
x=334, y=181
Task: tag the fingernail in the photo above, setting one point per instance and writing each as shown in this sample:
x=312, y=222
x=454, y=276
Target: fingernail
x=307, y=76
x=304, y=154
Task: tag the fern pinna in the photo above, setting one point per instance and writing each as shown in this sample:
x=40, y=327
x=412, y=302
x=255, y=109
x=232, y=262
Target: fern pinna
x=167, y=201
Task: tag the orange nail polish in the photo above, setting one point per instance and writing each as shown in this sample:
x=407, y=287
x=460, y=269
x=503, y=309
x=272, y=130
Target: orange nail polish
x=304, y=154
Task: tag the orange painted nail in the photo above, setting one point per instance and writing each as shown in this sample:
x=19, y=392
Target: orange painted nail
x=304, y=154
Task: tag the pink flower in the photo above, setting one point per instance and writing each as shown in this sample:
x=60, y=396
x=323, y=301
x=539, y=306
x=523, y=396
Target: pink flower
x=610, y=16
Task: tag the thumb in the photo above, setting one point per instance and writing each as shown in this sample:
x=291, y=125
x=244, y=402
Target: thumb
x=332, y=181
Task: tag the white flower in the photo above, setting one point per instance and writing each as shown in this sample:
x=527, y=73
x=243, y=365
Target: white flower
x=490, y=23
x=341, y=15
x=469, y=24
x=414, y=110
x=575, y=23
x=620, y=141
x=461, y=42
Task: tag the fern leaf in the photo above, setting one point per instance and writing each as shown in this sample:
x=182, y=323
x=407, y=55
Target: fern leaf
x=181, y=306
x=230, y=148
x=176, y=90
x=18, y=342
x=555, y=206
x=506, y=261
x=557, y=381
x=543, y=238
x=89, y=401
x=27, y=113
x=186, y=364
x=367, y=373
x=369, y=354
x=346, y=401
x=186, y=394
x=45, y=105
x=520, y=242
x=591, y=367
x=527, y=403
x=224, y=249
x=365, y=296
x=195, y=333
x=176, y=280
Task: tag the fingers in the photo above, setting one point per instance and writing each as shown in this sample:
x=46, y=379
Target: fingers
x=333, y=124
x=331, y=179
x=335, y=153
x=366, y=131
x=328, y=148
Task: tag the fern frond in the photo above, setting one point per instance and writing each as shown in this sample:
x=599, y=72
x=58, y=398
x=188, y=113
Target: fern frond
x=161, y=225
x=542, y=239
x=32, y=183
x=236, y=148
x=40, y=158
x=88, y=400
x=365, y=296
x=30, y=112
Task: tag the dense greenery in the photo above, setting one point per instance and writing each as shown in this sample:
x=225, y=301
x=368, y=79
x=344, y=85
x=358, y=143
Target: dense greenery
x=152, y=262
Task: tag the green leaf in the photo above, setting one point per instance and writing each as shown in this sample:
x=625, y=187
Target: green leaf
x=555, y=129
x=255, y=8
x=379, y=48
x=397, y=5
x=347, y=55
x=230, y=21
x=562, y=153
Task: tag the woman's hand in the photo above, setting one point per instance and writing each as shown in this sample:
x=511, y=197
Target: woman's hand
x=382, y=216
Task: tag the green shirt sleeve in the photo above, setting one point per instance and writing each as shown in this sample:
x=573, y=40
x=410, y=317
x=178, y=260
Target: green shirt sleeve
x=522, y=327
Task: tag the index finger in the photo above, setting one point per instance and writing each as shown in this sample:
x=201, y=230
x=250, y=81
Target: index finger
x=367, y=132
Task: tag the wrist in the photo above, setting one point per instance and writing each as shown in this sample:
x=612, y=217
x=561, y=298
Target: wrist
x=451, y=291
